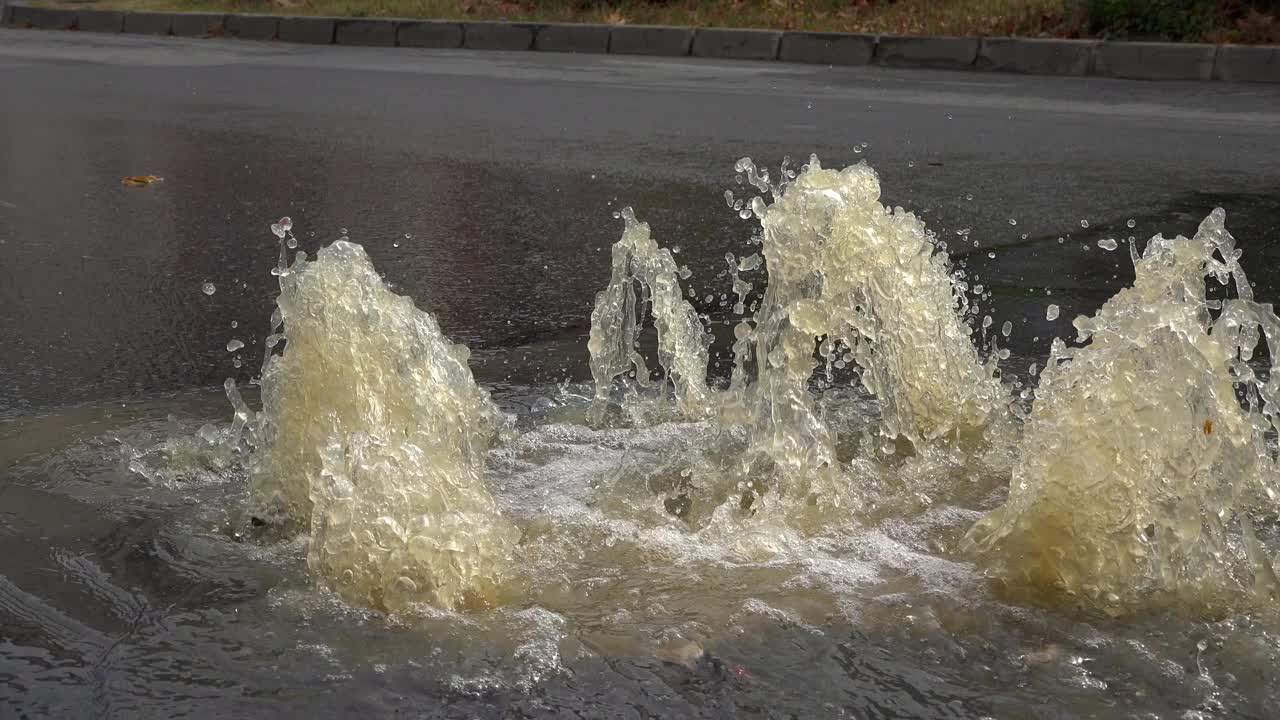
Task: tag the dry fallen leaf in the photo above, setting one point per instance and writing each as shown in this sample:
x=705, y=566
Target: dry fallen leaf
x=141, y=179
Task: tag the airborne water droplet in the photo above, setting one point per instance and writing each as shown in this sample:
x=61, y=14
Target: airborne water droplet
x=1013, y=221
x=234, y=345
x=235, y=324
x=1006, y=328
x=1131, y=222
x=1107, y=243
x=208, y=288
x=1084, y=223
x=1051, y=312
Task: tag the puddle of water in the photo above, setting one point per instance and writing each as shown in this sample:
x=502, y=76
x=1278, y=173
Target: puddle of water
x=151, y=590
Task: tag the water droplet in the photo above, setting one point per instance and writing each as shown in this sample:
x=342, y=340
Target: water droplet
x=1131, y=222
x=1060, y=241
x=810, y=105
x=208, y=288
x=1107, y=243
x=342, y=231
x=234, y=345
x=1084, y=223
x=865, y=143
x=1051, y=312
x=282, y=226
x=991, y=255
x=292, y=242
x=1006, y=328
x=979, y=288
x=857, y=149
x=911, y=163
x=728, y=198
x=236, y=362
x=968, y=196
x=235, y=324
x=395, y=244
x=1012, y=221
x=1024, y=236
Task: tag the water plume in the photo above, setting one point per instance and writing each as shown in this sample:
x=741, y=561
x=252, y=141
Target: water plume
x=618, y=317
x=372, y=434
x=1139, y=455
x=850, y=281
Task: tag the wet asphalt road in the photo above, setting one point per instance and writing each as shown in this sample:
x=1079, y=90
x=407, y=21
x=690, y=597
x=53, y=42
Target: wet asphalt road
x=496, y=175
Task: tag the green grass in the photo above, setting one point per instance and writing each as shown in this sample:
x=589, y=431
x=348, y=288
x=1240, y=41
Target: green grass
x=1215, y=20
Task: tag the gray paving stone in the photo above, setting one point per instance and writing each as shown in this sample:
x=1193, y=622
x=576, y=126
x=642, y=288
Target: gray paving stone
x=1036, y=56
x=568, y=37
x=650, y=40
x=931, y=52
x=827, y=48
x=1155, y=61
x=735, y=44
x=430, y=34
x=313, y=30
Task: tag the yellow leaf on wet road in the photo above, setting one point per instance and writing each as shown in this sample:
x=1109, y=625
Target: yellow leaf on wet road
x=141, y=179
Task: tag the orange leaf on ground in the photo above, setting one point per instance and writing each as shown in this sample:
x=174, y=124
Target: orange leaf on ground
x=141, y=179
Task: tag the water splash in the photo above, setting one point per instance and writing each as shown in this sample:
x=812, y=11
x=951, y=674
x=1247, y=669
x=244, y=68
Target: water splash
x=864, y=280
x=850, y=283
x=868, y=278
x=373, y=434
x=1135, y=478
x=1139, y=456
x=618, y=317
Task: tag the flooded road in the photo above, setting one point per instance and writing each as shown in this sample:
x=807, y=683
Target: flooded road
x=483, y=187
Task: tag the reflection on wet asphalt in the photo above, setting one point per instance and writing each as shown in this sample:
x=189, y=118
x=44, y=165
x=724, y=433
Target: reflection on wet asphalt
x=505, y=170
